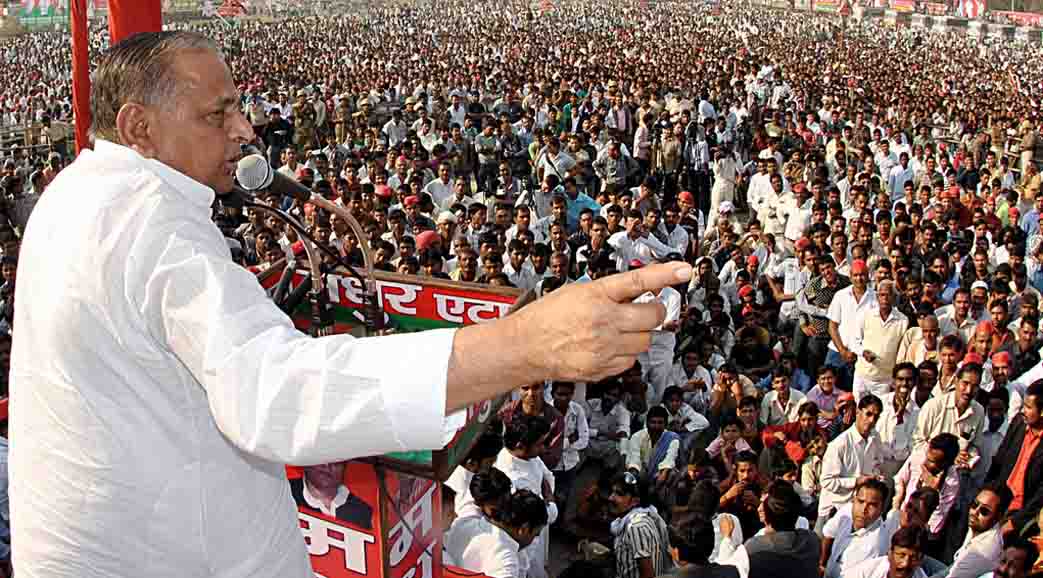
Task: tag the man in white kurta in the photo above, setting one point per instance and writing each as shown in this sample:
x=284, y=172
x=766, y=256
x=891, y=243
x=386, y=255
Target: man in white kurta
x=160, y=393
x=150, y=337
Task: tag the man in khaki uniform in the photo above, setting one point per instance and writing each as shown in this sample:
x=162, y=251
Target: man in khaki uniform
x=304, y=121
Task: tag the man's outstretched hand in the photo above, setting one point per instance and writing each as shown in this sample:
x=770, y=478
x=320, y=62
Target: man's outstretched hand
x=581, y=332
x=586, y=332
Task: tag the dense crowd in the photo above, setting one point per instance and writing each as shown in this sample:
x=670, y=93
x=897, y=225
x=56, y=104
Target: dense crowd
x=848, y=387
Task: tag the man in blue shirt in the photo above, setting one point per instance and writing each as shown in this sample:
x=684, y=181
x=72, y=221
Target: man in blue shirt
x=577, y=201
x=1030, y=220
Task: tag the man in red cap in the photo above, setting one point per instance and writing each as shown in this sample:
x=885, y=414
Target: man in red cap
x=415, y=220
x=691, y=219
x=845, y=322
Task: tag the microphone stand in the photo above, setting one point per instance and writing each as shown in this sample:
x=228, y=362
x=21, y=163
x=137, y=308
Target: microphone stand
x=322, y=319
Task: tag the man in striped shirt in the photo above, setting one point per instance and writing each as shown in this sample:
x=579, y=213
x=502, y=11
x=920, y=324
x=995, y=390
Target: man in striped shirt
x=641, y=543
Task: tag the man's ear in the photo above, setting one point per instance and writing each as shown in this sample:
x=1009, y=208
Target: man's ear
x=135, y=130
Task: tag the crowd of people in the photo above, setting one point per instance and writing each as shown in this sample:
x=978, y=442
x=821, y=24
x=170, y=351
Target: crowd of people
x=848, y=387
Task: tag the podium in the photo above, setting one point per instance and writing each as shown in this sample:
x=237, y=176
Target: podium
x=391, y=523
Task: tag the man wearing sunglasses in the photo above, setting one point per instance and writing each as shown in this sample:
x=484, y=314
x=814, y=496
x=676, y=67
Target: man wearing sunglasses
x=983, y=546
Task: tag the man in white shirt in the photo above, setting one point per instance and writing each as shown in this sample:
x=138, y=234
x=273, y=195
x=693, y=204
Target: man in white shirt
x=898, y=419
x=845, y=319
x=900, y=174
x=903, y=559
x=983, y=546
x=493, y=547
x=609, y=429
x=195, y=382
x=856, y=533
x=576, y=438
x=440, y=189
x=853, y=457
x=782, y=404
x=636, y=244
x=657, y=362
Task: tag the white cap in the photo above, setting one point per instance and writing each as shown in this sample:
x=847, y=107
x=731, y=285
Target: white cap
x=726, y=207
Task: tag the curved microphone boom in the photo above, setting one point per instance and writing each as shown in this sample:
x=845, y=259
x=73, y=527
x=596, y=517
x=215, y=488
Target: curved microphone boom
x=255, y=174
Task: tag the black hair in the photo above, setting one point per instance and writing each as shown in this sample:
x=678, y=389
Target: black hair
x=694, y=542
x=869, y=400
x=672, y=391
x=488, y=445
x=746, y=456
x=1028, y=548
x=488, y=488
x=948, y=444
x=1002, y=491
x=568, y=384
x=523, y=509
x=657, y=411
x=930, y=498
x=874, y=485
x=781, y=506
x=912, y=537
x=525, y=431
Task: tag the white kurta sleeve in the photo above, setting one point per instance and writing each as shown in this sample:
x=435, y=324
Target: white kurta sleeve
x=273, y=391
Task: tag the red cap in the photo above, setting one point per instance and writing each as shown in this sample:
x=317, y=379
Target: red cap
x=636, y=264
x=746, y=290
x=1013, y=211
x=1001, y=357
x=972, y=358
x=425, y=240
x=753, y=261
x=686, y=197
x=953, y=192
x=799, y=187
x=803, y=243
x=845, y=397
x=383, y=191
x=747, y=311
x=410, y=201
x=986, y=327
x=859, y=266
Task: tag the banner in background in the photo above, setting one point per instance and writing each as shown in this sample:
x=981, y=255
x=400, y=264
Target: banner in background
x=409, y=303
x=903, y=5
x=936, y=8
x=1020, y=18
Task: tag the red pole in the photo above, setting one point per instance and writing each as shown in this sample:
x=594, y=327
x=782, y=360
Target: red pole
x=81, y=80
x=128, y=17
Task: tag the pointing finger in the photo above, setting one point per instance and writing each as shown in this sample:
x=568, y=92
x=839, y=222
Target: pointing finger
x=626, y=286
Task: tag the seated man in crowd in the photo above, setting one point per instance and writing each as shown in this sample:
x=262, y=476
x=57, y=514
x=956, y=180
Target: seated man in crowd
x=784, y=550
x=856, y=533
x=741, y=493
x=653, y=451
x=903, y=560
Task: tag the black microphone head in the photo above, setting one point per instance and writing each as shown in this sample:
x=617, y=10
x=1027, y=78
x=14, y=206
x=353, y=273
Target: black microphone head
x=254, y=173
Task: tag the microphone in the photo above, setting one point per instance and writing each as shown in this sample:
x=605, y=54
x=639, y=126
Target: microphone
x=255, y=174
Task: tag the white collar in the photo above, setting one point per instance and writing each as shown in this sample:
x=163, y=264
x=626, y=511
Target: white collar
x=315, y=502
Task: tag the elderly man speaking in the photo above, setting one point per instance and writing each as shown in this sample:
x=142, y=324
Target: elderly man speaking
x=156, y=392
